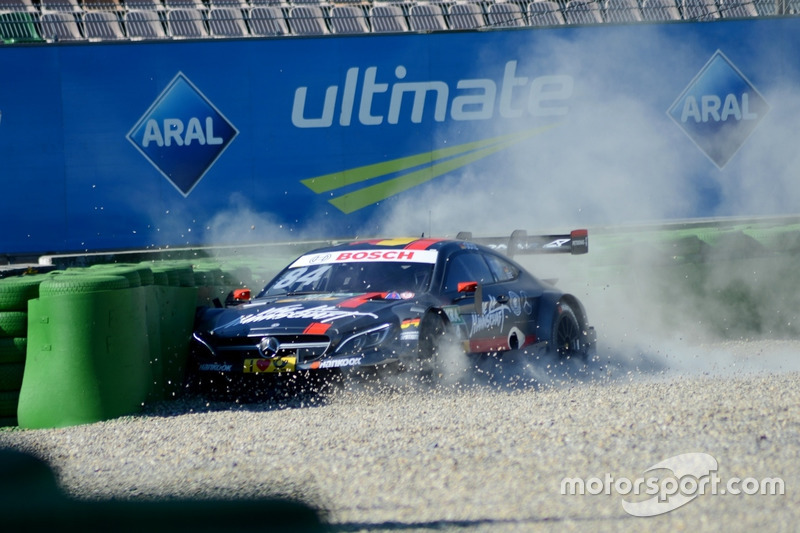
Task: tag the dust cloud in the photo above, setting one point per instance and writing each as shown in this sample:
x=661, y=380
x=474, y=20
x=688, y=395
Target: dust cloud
x=616, y=162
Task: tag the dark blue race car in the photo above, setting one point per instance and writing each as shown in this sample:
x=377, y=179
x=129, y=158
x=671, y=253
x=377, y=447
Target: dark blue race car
x=381, y=302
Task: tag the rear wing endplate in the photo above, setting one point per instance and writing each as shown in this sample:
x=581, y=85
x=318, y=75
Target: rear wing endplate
x=520, y=243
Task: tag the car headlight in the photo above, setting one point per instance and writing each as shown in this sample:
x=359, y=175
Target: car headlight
x=365, y=340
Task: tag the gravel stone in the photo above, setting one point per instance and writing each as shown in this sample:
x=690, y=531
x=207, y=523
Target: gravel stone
x=484, y=451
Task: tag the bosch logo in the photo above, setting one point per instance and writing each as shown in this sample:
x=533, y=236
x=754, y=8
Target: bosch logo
x=719, y=109
x=182, y=134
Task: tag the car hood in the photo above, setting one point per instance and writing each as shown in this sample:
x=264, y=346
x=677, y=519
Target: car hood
x=307, y=314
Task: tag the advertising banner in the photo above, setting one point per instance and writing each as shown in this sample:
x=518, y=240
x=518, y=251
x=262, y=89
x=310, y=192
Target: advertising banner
x=150, y=144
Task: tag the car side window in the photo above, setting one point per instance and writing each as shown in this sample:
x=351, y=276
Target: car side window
x=466, y=267
x=502, y=269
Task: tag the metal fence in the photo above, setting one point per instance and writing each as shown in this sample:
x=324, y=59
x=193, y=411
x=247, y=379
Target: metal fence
x=50, y=21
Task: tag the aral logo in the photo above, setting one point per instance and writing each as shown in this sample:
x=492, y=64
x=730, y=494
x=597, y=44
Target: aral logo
x=719, y=109
x=182, y=134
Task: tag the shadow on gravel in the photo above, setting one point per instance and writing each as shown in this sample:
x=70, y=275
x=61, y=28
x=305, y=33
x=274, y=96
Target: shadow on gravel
x=467, y=525
x=30, y=500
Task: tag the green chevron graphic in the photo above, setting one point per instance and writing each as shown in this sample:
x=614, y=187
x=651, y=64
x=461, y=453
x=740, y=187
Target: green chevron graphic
x=434, y=164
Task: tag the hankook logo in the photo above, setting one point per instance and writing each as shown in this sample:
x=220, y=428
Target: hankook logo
x=719, y=109
x=182, y=134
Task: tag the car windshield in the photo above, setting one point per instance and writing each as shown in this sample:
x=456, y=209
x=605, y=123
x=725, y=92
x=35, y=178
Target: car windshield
x=353, y=277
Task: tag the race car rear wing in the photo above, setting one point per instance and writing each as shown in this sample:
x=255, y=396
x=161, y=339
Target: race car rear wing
x=520, y=243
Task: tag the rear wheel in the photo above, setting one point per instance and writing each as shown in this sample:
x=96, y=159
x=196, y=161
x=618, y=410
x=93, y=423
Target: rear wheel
x=567, y=337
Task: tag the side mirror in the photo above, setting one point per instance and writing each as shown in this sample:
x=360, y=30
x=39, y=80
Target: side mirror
x=467, y=286
x=238, y=296
x=241, y=295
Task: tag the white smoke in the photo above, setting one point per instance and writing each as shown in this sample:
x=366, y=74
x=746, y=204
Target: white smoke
x=615, y=160
x=618, y=160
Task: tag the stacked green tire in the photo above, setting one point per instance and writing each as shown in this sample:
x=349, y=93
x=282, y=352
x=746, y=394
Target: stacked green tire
x=85, y=345
x=15, y=292
x=176, y=300
x=104, y=341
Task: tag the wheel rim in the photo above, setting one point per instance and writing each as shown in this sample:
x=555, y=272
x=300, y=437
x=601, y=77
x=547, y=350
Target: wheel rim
x=431, y=336
x=567, y=336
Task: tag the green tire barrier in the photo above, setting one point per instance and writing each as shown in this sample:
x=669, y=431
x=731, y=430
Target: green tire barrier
x=148, y=298
x=176, y=308
x=176, y=300
x=215, y=281
x=208, y=280
x=16, y=291
x=11, y=376
x=98, y=348
x=166, y=275
x=12, y=350
x=178, y=273
x=207, y=276
x=8, y=404
x=87, y=359
x=137, y=274
x=75, y=283
x=183, y=273
x=88, y=344
x=130, y=274
x=13, y=323
x=160, y=278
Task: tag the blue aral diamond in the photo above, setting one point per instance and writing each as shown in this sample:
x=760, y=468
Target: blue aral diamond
x=182, y=134
x=719, y=109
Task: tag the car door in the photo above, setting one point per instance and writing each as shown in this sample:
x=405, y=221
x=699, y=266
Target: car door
x=509, y=292
x=467, y=277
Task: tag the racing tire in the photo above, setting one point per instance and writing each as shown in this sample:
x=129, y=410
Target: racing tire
x=11, y=376
x=138, y=275
x=13, y=349
x=79, y=284
x=176, y=275
x=9, y=402
x=436, y=336
x=567, y=336
x=16, y=291
x=13, y=323
x=161, y=278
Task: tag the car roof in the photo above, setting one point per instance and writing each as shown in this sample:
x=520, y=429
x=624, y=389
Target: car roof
x=400, y=243
x=406, y=243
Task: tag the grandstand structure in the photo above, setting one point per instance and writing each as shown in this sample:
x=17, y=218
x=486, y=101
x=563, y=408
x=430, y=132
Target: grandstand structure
x=26, y=21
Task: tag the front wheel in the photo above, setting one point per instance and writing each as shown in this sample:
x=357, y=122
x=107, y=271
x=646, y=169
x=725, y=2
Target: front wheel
x=438, y=343
x=567, y=336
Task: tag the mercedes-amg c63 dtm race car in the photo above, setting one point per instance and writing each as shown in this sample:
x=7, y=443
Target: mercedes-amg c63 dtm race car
x=385, y=301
